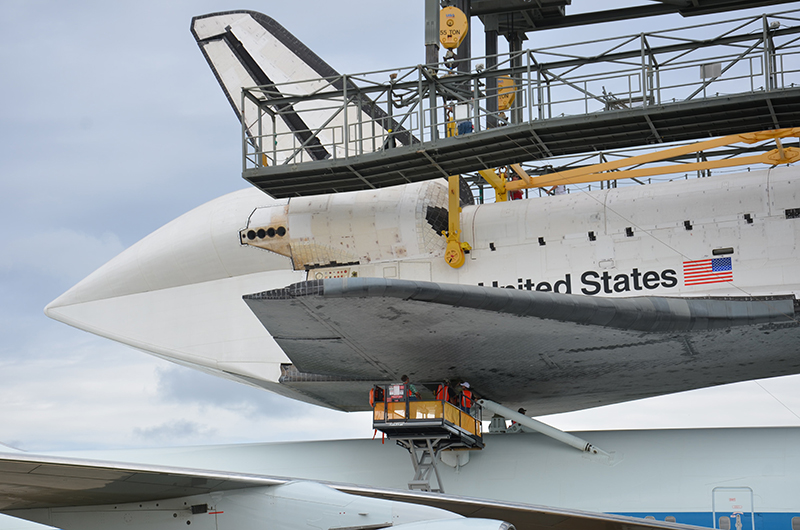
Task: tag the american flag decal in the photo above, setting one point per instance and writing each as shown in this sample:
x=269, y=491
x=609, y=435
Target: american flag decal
x=704, y=271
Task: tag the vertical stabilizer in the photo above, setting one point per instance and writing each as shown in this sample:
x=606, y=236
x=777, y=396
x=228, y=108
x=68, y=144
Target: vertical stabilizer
x=247, y=49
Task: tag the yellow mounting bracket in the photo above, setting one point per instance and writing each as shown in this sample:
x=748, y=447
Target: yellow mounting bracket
x=607, y=170
x=454, y=252
x=497, y=182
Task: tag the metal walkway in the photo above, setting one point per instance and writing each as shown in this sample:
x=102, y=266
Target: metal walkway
x=390, y=127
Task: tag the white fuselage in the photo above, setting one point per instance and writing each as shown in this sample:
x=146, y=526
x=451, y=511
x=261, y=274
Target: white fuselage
x=696, y=476
x=177, y=293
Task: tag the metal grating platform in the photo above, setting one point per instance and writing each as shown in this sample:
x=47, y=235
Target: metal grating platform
x=392, y=127
x=533, y=141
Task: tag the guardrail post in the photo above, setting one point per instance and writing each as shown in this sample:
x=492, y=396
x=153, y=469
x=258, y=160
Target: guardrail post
x=540, y=92
x=360, y=150
x=260, y=155
x=244, y=136
x=643, y=80
x=764, y=40
x=476, y=116
x=528, y=91
x=434, y=122
x=421, y=104
x=770, y=64
x=346, y=133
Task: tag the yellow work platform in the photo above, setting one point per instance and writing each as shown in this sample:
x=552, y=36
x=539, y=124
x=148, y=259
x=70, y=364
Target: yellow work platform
x=407, y=418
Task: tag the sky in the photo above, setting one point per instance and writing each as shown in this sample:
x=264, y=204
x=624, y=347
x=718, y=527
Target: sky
x=111, y=126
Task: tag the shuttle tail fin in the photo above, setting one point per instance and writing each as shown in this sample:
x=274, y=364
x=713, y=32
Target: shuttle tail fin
x=247, y=49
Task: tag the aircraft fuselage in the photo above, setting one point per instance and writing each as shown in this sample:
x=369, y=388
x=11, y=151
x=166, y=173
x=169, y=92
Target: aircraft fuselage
x=177, y=293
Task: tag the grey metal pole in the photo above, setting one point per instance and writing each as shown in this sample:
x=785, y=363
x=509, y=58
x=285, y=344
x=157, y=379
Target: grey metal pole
x=515, y=46
x=464, y=65
x=431, y=32
x=547, y=430
x=491, y=79
x=432, y=56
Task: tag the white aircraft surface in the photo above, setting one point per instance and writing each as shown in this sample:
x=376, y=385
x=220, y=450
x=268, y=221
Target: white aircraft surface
x=714, y=478
x=354, y=291
x=607, y=296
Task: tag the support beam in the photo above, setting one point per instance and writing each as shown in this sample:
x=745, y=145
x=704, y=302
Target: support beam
x=515, y=47
x=431, y=32
x=454, y=252
x=603, y=172
x=521, y=173
x=491, y=80
x=464, y=52
x=564, y=437
x=497, y=182
x=423, y=458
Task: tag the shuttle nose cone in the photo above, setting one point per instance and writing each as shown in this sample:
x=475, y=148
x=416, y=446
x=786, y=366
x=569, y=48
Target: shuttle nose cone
x=201, y=245
x=177, y=292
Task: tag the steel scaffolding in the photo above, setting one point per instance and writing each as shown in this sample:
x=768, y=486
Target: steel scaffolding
x=392, y=126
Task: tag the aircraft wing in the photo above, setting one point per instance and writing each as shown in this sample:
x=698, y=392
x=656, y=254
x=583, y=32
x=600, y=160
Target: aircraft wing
x=548, y=352
x=29, y=482
x=36, y=481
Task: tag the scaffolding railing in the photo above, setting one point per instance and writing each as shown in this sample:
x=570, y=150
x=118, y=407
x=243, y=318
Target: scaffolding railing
x=349, y=115
x=401, y=415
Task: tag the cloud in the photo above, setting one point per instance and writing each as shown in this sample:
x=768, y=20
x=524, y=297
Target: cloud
x=185, y=386
x=58, y=252
x=170, y=432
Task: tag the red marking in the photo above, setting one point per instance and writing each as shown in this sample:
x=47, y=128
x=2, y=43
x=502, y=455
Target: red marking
x=214, y=513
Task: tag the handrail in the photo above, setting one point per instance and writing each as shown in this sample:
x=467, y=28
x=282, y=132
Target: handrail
x=400, y=409
x=350, y=115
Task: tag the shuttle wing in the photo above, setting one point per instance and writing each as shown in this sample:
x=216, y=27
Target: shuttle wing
x=30, y=484
x=546, y=351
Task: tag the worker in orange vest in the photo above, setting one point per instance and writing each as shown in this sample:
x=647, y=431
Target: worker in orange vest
x=443, y=391
x=375, y=395
x=466, y=397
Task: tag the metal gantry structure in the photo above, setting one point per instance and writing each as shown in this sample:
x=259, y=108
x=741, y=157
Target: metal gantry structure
x=390, y=127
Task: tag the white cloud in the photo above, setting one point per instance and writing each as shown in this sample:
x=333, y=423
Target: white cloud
x=92, y=393
x=169, y=432
x=58, y=252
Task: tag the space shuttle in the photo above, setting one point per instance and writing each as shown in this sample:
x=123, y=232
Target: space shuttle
x=563, y=302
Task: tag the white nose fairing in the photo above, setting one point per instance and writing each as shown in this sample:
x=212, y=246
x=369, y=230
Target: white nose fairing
x=177, y=293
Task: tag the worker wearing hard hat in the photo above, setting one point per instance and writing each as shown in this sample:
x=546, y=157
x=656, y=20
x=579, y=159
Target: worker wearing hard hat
x=466, y=397
x=443, y=391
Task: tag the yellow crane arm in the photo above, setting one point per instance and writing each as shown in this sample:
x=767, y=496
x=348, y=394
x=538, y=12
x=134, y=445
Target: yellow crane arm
x=606, y=170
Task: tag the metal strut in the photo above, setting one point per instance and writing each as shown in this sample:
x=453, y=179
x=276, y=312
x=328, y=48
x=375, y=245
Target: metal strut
x=424, y=458
x=564, y=437
x=608, y=170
